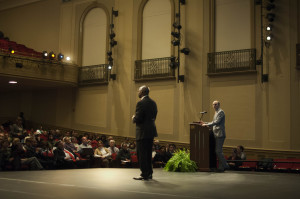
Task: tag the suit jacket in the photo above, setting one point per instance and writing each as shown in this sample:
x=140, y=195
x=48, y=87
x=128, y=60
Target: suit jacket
x=145, y=115
x=218, y=124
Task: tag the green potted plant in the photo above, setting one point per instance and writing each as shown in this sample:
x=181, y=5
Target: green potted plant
x=181, y=162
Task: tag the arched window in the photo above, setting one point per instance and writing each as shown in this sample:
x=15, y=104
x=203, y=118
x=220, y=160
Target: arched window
x=94, y=37
x=233, y=27
x=156, y=30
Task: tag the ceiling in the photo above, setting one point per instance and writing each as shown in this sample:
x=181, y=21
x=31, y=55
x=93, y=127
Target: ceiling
x=26, y=84
x=7, y=4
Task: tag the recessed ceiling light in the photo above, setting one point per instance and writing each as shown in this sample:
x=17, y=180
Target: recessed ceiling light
x=12, y=82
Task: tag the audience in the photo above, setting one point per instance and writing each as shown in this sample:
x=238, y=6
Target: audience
x=40, y=148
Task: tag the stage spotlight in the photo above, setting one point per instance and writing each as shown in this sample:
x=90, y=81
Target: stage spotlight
x=270, y=6
x=185, y=51
x=177, y=26
x=45, y=54
x=269, y=37
x=270, y=17
x=52, y=55
x=112, y=35
x=175, y=34
x=110, y=65
x=269, y=27
x=68, y=58
x=110, y=59
x=182, y=2
x=175, y=42
x=113, y=43
x=115, y=13
x=11, y=51
x=173, y=63
x=60, y=57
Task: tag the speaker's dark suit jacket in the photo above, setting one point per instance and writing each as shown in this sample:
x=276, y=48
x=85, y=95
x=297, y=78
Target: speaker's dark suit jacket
x=145, y=115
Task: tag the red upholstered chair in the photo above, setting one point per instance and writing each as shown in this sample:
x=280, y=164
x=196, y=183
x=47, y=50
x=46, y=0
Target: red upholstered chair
x=249, y=165
x=282, y=164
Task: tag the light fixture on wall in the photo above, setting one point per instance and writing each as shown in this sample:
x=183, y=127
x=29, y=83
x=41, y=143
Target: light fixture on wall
x=174, y=63
x=60, y=56
x=269, y=27
x=270, y=17
x=44, y=54
x=11, y=51
x=175, y=34
x=52, y=55
x=185, y=51
x=175, y=42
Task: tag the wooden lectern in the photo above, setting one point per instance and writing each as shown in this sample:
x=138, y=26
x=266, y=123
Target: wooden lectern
x=200, y=146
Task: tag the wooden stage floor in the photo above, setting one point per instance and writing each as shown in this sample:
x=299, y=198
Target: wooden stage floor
x=107, y=183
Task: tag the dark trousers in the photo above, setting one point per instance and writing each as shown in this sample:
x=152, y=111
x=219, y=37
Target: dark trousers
x=144, y=154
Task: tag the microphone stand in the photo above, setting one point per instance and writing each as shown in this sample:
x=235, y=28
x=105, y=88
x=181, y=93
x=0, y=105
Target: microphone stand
x=201, y=116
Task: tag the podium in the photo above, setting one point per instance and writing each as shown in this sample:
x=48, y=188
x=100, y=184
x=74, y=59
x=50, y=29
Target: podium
x=202, y=144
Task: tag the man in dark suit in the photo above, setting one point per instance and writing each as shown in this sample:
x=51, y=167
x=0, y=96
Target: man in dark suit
x=144, y=118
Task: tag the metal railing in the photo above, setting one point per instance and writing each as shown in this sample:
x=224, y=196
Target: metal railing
x=151, y=69
x=232, y=61
x=97, y=74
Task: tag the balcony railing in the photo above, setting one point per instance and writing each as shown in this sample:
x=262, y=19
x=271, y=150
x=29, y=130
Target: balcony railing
x=153, y=69
x=97, y=74
x=232, y=61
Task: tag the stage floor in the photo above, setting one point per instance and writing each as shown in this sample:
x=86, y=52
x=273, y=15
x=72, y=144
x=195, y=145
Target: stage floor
x=106, y=183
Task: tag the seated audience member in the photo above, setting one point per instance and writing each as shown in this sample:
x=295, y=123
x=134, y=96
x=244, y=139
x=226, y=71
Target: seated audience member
x=84, y=144
x=124, y=156
x=161, y=158
x=113, y=152
x=240, y=152
x=44, y=135
x=5, y=154
x=234, y=156
x=75, y=142
x=156, y=145
x=171, y=150
x=109, y=139
x=94, y=144
x=101, y=153
x=30, y=150
x=69, y=145
x=112, y=147
x=132, y=147
x=104, y=141
x=19, y=157
x=127, y=142
x=51, y=141
x=63, y=159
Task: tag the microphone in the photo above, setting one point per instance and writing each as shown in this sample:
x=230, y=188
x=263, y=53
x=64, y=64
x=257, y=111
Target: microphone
x=203, y=112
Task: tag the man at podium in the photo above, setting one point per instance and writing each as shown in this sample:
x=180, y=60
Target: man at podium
x=218, y=125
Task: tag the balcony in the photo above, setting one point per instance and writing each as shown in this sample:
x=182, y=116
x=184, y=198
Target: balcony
x=153, y=69
x=232, y=62
x=93, y=75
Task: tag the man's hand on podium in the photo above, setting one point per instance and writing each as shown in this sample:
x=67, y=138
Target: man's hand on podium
x=203, y=123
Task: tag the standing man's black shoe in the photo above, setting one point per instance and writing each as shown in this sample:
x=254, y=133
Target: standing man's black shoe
x=140, y=178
